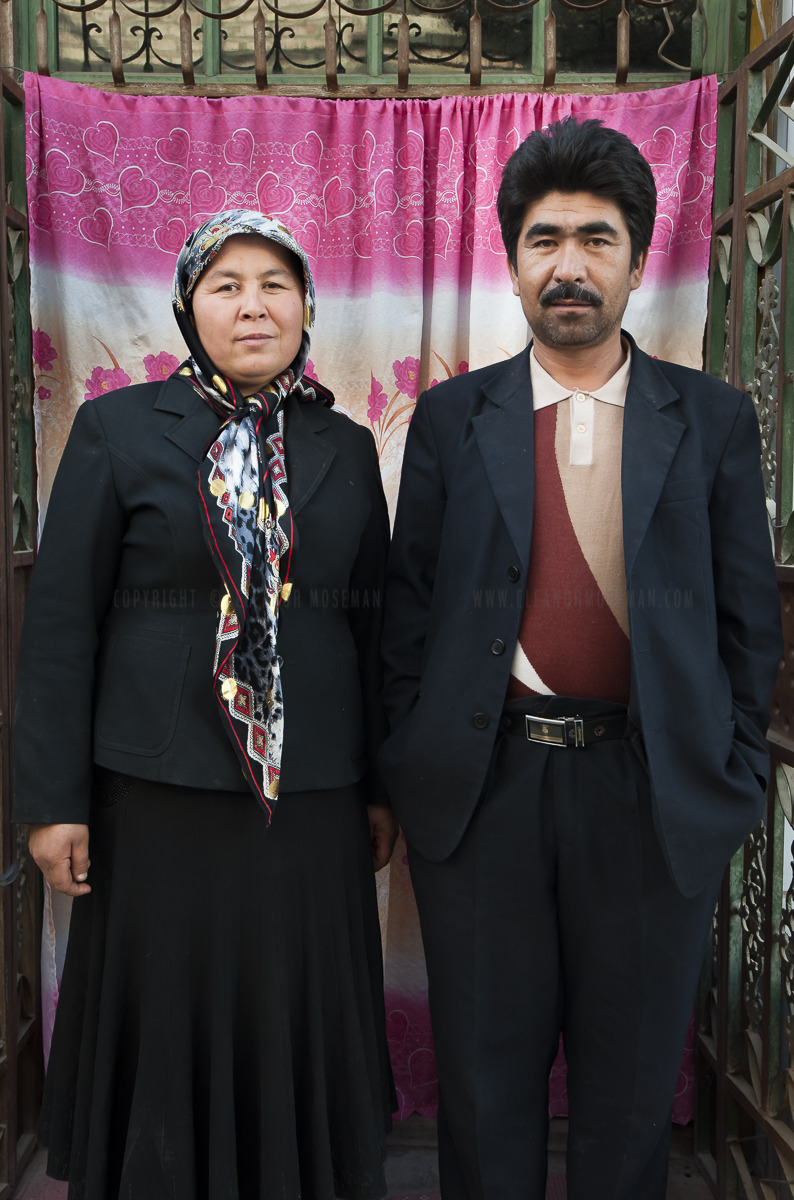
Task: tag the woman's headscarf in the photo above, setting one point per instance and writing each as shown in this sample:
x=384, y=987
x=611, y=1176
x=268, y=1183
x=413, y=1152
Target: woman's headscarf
x=245, y=509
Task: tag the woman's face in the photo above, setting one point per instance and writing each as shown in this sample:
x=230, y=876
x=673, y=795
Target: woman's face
x=248, y=311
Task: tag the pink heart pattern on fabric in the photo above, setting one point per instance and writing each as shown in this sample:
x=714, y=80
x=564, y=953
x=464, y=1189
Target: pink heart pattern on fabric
x=175, y=149
x=660, y=148
x=240, y=150
x=135, y=190
x=662, y=238
x=446, y=147
x=410, y=243
x=206, y=196
x=411, y=154
x=386, y=199
x=97, y=228
x=309, y=152
x=505, y=147
x=171, y=237
x=102, y=139
x=272, y=195
x=310, y=238
x=40, y=212
x=362, y=155
x=62, y=176
x=339, y=200
x=442, y=232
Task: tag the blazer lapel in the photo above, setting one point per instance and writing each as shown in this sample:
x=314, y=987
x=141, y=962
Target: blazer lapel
x=197, y=422
x=650, y=441
x=505, y=437
x=309, y=454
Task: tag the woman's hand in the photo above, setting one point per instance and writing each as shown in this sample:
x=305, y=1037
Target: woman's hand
x=383, y=831
x=61, y=852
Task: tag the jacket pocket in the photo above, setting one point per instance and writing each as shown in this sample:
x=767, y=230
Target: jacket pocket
x=139, y=689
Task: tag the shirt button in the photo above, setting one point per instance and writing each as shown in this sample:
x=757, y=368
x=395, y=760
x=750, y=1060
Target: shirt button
x=497, y=646
x=513, y=573
x=480, y=721
x=580, y=396
x=581, y=429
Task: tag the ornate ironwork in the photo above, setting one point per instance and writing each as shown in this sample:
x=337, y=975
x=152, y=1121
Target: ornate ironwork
x=763, y=386
x=21, y=886
x=751, y=914
x=746, y=1145
x=726, y=357
x=19, y=389
x=151, y=36
x=786, y=948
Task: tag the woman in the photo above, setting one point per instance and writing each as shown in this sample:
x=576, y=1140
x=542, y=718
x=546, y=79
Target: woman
x=199, y=683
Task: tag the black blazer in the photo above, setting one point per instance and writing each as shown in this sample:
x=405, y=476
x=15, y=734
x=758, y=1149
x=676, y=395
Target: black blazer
x=117, y=646
x=704, y=612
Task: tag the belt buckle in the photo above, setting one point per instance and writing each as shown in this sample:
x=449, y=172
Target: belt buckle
x=560, y=731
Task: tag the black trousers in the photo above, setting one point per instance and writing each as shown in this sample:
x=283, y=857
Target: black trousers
x=557, y=913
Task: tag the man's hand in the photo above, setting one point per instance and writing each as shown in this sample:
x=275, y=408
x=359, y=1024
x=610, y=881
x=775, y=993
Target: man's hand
x=383, y=831
x=61, y=852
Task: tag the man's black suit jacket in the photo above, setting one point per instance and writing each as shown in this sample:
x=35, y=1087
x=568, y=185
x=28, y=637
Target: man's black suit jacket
x=704, y=613
x=118, y=641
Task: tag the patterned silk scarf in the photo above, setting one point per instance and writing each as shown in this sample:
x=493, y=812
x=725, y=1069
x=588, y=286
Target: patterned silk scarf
x=245, y=510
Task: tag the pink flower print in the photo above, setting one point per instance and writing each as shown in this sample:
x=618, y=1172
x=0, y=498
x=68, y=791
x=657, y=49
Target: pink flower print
x=377, y=400
x=310, y=369
x=159, y=366
x=463, y=368
x=434, y=383
x=406, y=376
x=105, y=379
x=44, y=393
x=44, y=353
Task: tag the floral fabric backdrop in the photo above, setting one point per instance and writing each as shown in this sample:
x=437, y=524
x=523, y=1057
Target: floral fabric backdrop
x=394, y=202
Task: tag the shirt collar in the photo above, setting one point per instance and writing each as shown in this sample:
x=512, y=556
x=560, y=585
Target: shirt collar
x=546, y=390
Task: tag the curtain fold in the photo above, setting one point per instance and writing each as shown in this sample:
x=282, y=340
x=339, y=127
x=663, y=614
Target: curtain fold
x=395, y=203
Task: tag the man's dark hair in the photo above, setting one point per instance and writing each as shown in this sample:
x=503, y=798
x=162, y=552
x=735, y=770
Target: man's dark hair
x=578, y=156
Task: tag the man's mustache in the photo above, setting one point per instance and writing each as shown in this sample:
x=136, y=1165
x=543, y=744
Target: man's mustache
x=571, y=291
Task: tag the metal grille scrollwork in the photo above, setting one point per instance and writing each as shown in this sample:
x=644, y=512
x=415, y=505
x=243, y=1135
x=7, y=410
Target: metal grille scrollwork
x=745, y=1141
x=371, y=40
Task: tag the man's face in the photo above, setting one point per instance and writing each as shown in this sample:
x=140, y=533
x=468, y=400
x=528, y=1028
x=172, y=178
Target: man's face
x=573, y=270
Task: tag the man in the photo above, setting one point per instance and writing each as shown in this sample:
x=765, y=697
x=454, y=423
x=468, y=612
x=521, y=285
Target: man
x=582, y=633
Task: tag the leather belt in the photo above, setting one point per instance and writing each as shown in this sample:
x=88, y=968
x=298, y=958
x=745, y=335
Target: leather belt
x=567, y=732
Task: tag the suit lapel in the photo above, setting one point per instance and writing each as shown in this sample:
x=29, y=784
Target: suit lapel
x=505, y=437
x=197, y=422
x=309, y=454
x=650, y=441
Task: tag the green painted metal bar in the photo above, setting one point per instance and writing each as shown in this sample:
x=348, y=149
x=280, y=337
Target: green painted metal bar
x=782, y=74
x=716, y=58
x=750, y=281
x=52, y=35
x=308, y=79
x=25, y=17
x=539, y=14
x=741, y=18
x=375, y=43
x=211, y=41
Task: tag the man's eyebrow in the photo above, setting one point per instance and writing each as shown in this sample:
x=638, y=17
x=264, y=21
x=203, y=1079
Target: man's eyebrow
x=549, y=229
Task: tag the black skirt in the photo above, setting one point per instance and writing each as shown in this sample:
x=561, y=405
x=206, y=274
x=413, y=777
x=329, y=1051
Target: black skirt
x=220, y=1027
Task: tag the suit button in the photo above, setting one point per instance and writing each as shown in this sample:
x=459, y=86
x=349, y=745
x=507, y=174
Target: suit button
x=497, y=646
x=480, y=721
x=513, y=574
